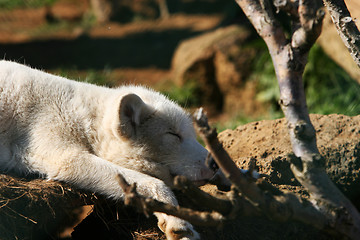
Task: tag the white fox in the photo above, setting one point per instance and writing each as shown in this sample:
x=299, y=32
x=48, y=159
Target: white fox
x=86, y=135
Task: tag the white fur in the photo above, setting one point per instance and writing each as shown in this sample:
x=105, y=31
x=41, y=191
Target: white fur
x=85, y=135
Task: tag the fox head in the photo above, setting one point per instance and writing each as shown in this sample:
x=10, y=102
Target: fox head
x=150, y=121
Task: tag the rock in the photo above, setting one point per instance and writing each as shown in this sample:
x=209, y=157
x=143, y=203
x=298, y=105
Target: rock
x=208, y=59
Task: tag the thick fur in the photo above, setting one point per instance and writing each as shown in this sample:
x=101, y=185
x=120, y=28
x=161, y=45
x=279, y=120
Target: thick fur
x=85, y=135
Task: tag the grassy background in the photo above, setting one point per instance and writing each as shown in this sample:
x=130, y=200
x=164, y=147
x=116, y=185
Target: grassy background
x=328, y=88
x=12, y=4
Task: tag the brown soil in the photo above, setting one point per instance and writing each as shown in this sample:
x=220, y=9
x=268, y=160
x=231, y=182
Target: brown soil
x=268, y=142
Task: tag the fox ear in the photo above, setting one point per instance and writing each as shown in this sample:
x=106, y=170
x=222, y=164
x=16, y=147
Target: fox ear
x=132, y=111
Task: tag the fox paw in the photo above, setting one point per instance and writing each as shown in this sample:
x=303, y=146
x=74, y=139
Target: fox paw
x=177, y=229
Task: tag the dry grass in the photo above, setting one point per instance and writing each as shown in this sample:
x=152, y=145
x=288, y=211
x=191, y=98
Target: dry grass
x=34, y=209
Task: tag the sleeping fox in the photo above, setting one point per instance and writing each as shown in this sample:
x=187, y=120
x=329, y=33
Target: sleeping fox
x=86, y=135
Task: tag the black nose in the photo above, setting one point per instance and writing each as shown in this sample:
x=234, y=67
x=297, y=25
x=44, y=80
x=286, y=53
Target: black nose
x=210, y=163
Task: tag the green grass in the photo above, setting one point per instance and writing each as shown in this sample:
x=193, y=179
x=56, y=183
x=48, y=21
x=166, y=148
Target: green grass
x=97, y=77
x=12, y=4
x=328, y=88
x=187, y=96
x=267, y=87
x=50, y=28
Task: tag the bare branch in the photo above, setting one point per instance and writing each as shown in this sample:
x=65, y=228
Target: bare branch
x=282, y=207
x=164, y=10
x=310, y=17
x=345, y=26
x=223, y=206
x=230, y=205
x=264, y=22
x=288, y=6
x=220, y=156
x=149, y=205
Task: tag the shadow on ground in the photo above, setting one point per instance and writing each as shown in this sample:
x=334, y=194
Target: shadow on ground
x=145, y=49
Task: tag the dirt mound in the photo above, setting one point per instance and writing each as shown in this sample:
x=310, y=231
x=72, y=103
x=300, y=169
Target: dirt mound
x=338, y=139
x=268, y=142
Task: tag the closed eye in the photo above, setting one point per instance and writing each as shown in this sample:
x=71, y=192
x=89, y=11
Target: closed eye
x=175, y=134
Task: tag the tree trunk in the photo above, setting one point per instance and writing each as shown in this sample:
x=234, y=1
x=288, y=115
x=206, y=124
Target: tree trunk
x=102, y=10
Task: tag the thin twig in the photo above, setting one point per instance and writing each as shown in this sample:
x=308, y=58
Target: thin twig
x=207, y=201
x=280, y=207
x=345, y=26
x=21, y=215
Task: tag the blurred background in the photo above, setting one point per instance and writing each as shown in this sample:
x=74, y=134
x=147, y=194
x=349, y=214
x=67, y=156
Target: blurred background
x=198, y=52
